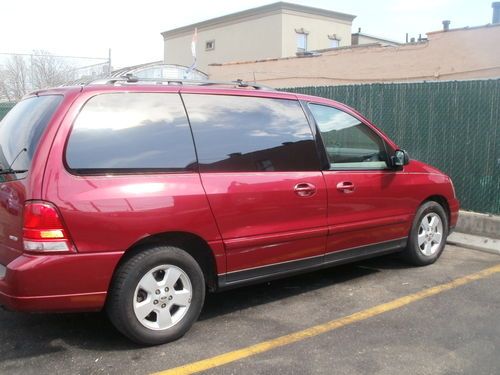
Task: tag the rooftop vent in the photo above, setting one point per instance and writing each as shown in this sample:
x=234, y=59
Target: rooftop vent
x=496, y=12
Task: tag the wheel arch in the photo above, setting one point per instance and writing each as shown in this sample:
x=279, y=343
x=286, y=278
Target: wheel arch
x=441, y=200
x=191, y=243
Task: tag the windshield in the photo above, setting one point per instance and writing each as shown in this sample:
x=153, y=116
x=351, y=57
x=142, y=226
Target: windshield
x=22, y=128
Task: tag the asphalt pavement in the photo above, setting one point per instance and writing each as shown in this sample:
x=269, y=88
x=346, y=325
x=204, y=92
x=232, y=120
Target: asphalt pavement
x=453, y=331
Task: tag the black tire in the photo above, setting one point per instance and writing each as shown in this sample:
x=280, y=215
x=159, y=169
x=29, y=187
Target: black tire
x=413, y=253
x=121, y=296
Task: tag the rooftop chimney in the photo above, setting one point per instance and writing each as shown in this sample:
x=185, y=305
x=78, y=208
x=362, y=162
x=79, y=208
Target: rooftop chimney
x=446, y=25
x=496, y=12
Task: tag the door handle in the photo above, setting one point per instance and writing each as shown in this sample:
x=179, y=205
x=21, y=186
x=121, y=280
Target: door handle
x=345, y=187
x=304, y=189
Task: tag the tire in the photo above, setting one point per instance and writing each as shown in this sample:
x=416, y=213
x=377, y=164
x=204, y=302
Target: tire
x=165, y=280
x=423, y=246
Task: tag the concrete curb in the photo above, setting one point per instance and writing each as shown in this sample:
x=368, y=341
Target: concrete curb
x=477, y=231
x=470, y=241
x=478, y=224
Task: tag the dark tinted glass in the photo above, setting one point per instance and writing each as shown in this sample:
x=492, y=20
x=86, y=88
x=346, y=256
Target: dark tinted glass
x=131, y=131
x=236, y=133
x=349, y=143
x=22, y=128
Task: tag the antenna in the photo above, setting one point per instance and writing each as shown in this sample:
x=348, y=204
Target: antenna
x=17, y=156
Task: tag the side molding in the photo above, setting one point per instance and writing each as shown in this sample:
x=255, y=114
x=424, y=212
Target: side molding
x=279, y=270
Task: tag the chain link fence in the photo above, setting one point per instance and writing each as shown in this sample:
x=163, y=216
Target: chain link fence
x=454, y=126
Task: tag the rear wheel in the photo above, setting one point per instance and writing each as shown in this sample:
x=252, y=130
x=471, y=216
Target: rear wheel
x=428, y=234
x=156, y=295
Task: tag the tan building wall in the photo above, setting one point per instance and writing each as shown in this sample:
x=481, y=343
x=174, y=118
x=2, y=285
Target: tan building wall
x=469, y=53
x=259, y=33
x=256, y=38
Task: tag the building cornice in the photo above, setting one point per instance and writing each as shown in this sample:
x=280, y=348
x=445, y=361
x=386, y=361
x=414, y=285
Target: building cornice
x=259, y=11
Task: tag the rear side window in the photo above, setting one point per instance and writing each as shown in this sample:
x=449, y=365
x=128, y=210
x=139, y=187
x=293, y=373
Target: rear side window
x=238, y=133
x=127, y=132
x=23, y=127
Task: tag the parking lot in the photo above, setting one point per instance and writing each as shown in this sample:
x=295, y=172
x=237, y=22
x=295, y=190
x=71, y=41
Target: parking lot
x=454, y=328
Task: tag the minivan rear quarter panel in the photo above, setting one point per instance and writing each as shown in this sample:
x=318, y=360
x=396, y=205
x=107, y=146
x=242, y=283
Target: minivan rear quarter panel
x=112, y=212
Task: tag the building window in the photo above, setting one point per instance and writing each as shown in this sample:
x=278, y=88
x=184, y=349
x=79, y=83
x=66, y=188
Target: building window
x=301, y=40
x=210, y=45
x=334, y=41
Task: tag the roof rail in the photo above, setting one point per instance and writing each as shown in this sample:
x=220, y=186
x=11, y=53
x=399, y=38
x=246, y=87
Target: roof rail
x=129, y=78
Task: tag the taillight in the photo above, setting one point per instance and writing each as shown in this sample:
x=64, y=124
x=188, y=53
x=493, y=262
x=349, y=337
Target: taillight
x=43, y=229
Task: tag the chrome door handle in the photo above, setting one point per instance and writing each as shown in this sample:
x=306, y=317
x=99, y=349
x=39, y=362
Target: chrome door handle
x=304, y=189
x=345, y=187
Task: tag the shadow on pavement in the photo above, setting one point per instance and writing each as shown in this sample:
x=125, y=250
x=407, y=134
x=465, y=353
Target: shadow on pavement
x=30, y=335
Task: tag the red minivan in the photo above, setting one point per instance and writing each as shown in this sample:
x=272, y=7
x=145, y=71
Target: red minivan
x=136, y=197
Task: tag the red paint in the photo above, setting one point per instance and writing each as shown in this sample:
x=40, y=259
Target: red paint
x=247, y=219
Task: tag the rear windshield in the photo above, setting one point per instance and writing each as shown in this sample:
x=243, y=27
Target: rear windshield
x=22, y=128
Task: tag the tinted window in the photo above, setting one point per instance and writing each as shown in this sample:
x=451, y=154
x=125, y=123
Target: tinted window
x=131, y=131
x=250, y=134
x=23, y=127
x=349, y=143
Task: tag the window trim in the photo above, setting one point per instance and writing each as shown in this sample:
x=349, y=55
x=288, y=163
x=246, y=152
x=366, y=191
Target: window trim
x=328, y=166
x=88, y=172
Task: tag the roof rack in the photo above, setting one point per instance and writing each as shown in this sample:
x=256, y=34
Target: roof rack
x=129, y=78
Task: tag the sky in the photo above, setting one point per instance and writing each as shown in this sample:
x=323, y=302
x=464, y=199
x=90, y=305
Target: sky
x=132, y=28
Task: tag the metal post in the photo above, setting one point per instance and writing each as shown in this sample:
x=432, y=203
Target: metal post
x=109, y=61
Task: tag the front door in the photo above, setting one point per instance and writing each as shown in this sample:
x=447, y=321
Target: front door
x=367, y=208
x=260, y=170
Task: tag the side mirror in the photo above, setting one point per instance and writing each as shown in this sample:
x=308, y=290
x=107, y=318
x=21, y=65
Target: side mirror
x=400, y=158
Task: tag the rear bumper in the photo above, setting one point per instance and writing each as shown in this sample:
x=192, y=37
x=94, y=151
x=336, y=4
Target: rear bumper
x=76, y=282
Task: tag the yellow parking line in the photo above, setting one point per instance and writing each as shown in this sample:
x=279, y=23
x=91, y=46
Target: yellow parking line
x=265, y=346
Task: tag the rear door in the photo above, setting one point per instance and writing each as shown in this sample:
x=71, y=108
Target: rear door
x=368, y=207
x=20, y=133
x=259, y=166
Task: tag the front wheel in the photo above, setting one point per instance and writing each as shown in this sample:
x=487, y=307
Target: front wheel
x=428, y=234
x=156, y=295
